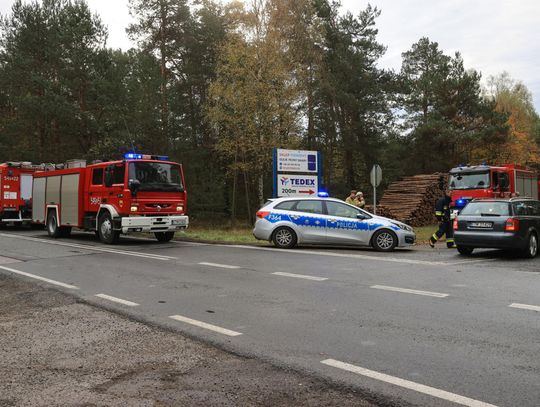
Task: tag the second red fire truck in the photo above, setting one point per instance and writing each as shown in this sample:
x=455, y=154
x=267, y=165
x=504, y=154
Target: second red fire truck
x=141, y=193
x=491, y=181
x=16, y=191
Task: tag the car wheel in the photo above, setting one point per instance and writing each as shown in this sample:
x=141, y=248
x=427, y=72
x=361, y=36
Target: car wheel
x=532, y=246
x=164, y=237
x=465, y=250
x=384, y=241
x=284, y=238
x=105, y=229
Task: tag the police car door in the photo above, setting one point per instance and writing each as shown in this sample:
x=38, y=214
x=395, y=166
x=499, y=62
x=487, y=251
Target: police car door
x=343, y=225
x=309, y=219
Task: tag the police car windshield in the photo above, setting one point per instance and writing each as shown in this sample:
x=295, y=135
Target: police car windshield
x=477, y=180
x=156, y=177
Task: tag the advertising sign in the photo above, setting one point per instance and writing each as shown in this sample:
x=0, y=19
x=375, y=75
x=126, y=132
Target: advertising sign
x=297, y=161
x=297, y=185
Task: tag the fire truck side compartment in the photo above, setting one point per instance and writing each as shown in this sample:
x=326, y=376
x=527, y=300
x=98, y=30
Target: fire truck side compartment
x=38, y=207
x=69, y=214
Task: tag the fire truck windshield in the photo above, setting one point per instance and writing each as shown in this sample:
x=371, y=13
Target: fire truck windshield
x=476, y=180
x=156, y=177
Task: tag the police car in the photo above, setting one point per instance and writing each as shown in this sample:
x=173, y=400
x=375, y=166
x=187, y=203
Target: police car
x=327, y=221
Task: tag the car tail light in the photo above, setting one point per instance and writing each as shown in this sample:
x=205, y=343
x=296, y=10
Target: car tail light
x=512, y=225
x=456, y=226
x=262, y=214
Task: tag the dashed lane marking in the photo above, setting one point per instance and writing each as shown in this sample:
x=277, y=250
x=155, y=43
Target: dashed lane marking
x=396, y=381
x=47, y=280
x=279, y=273
x=525, y=306
x=91, y=248
x=204, y=325
x=409, y=291
x=118, y=300
x=223, y=266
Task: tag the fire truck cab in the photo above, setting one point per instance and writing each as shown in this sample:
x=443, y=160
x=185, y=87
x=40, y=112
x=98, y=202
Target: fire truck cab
x=16, y=192
x=140, y=193
x=486, y=181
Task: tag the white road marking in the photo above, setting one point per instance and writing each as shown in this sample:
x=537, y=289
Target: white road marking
x=223, y=266
x=396, y=381
x=409, y=291
x=279, y=273
x=347, y=255
x=457, y=263
x=204, y=325
x=525, y=306
x=118, y=300
x=92, y=248
x=47, y=280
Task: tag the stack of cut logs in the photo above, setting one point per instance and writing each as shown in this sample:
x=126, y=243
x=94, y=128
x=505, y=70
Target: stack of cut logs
x=412, y=199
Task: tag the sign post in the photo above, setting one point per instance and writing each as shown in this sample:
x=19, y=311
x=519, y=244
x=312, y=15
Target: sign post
x=375, y=178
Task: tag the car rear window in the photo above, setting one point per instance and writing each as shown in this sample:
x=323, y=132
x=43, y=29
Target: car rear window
x=487, y=209
x=286, y=205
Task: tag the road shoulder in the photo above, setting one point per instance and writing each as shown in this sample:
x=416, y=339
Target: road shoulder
x=59, y=351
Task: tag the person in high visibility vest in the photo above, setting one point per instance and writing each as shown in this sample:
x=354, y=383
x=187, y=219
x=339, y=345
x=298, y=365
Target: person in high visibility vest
x=442, y=213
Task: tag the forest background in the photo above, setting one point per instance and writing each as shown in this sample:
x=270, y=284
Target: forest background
x=217, y=86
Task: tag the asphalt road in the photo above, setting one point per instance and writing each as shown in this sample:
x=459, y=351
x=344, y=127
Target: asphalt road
x=420, y=326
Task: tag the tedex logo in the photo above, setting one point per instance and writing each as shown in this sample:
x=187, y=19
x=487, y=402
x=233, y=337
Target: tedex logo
x=284, y=181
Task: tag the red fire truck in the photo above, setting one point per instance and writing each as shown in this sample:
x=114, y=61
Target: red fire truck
x=140, y=193
x=16, y=191
x=487, y=181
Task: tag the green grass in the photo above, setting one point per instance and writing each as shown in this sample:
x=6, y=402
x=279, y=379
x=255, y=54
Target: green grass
x=243, y=234
x=219, y=234
x=423, y=233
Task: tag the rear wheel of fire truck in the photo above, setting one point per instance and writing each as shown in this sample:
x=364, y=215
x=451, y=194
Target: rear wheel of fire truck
x=164, y=237
x=105, y=229
x=53, y=230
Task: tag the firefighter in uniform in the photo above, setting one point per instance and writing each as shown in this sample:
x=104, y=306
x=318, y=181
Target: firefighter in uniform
x=442, y=213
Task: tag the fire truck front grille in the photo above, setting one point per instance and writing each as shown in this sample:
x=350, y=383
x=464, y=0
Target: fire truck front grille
x=158, y=206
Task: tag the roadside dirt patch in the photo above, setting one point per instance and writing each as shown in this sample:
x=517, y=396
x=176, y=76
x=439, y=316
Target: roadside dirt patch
x=57, y=351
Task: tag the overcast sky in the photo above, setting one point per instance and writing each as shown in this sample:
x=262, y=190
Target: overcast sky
x=492, y=35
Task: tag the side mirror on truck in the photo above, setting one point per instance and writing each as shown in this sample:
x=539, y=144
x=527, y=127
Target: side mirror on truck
x=134, y=185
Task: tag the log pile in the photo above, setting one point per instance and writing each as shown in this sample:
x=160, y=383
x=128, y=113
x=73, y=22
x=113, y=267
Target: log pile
x=412, y=199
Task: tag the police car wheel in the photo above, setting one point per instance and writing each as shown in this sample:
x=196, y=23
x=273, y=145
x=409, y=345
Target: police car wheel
x=105, y=229
x=284, y=238
x=465, y=250
x=164, y=237
x=384, y=241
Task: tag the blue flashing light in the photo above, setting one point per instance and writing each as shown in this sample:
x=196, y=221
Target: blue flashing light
x=136, y=156
x=323, y=194
x=460, y=203
x=133, y=156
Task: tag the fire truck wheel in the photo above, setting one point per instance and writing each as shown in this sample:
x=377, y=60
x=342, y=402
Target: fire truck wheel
x=105, y=229
x=52, y=225
x=164, y=236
